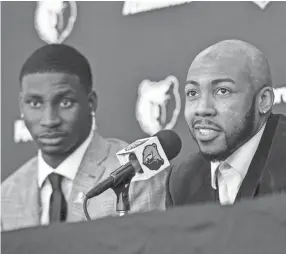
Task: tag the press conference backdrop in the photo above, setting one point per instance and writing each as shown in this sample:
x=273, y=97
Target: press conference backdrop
x=125, y=50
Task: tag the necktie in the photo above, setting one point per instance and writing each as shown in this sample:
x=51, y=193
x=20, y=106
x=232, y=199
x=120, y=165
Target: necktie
x=58, y=204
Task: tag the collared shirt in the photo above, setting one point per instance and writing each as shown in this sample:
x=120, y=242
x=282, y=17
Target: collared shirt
x=233, y=170
x=68, y=169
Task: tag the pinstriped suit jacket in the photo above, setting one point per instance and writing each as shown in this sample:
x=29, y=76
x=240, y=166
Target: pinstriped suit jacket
x=20, y=192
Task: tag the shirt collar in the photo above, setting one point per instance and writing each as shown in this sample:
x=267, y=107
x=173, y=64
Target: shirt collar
x=214, y=166
x=240, y=160
x=68, y=168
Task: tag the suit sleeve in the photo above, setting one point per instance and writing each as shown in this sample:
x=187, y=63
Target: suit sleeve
x=168, y=200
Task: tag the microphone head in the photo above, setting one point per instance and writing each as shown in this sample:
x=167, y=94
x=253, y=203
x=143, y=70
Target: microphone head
x=171, y=143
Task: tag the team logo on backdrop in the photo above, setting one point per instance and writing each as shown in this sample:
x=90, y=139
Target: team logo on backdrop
x=158, y=104
x=54, y=20
x=261, y=4
x=21, y=133
x=136, y=6
x=279, y=95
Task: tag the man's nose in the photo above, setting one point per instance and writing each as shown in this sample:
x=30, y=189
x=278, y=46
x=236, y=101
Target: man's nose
x=205, y=106
x=50, y=117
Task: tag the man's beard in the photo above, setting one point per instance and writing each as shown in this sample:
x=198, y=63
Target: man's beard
x=245, y=132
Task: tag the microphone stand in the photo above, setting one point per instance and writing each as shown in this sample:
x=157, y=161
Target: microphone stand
x=121, y=189
x=122, y=202
x=121, y=183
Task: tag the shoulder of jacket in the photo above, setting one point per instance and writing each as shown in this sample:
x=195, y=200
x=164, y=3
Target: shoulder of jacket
x=186, y=169
x=19, y=175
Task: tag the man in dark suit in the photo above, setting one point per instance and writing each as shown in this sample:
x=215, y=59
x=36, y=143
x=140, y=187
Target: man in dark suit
x=229, y=98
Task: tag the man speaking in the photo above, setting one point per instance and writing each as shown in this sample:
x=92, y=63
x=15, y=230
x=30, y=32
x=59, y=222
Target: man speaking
x=229, y=98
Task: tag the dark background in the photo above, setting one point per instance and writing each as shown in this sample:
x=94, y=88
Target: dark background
x=124, y=50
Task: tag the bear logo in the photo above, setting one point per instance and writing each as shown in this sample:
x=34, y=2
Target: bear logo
x=151, y=157
x=262, y=4
x=158, y=105
x=279, y=95
x=136, y=6
x=21, y=133
x=54, y=20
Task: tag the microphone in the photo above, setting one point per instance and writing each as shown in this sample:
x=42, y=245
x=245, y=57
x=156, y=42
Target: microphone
x=141, y=160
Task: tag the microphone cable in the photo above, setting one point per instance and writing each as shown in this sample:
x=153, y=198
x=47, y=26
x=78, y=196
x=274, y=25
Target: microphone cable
x=85, y=208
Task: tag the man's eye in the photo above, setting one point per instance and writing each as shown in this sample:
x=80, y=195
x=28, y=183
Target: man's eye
x=192, y=93
x=223, y=91
x=66, y=103
x=35, y=104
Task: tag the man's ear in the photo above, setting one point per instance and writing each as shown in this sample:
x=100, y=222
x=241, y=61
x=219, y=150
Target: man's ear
x=265, y=99
x=92, y=100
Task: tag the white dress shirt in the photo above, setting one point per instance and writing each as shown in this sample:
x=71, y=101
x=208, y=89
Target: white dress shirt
x=233, y=170
x=68, y=169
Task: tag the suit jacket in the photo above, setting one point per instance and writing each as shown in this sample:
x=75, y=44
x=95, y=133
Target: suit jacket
x=21, y=196
x=190, y=181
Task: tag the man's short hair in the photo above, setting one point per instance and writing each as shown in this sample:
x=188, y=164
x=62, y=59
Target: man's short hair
x=59, y=58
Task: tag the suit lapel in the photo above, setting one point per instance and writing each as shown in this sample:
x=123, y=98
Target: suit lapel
x=201, y=189
x=33, y=201
x=250, y=184
x=90, y=172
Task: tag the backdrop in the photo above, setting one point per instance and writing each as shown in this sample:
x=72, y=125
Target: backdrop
x=124, y=50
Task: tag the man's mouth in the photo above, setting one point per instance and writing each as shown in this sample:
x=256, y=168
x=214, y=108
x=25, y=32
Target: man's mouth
x=52, y=135
x=206, y=133
x=51, y=138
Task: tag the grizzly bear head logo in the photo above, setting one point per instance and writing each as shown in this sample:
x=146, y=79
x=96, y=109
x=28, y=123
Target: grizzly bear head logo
x=54, y=20
x=158, y=104
x=152, y=158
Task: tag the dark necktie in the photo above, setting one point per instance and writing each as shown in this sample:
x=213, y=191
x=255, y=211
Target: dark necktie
x=216, y=191
x=217, y=186
x=58, y=204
